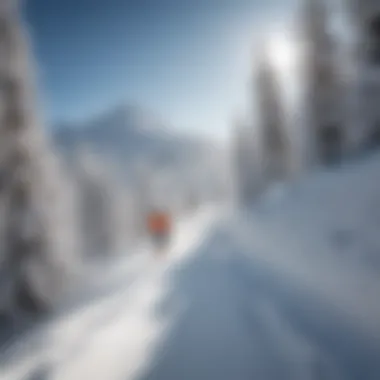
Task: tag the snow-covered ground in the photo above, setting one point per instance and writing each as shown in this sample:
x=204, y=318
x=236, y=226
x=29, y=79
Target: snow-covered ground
x=114, y=310
x=290, y=290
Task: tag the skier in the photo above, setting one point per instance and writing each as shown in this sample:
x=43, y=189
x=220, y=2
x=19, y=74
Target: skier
x=159, y=228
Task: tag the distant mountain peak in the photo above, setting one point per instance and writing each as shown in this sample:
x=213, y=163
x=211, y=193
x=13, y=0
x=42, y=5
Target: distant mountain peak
x=128, y=138
x=128, y=131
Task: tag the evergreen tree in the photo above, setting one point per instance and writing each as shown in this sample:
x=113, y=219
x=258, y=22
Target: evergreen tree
x=101, y=205
x=274, y=141
x=36, y=255
x=243, y=155
x=323, y=94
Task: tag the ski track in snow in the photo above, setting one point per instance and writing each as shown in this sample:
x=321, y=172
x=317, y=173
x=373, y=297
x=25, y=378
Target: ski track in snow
x=262, y=297
x=119, y=313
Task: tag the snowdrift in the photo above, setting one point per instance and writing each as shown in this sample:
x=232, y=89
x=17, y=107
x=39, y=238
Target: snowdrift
x=324, y=233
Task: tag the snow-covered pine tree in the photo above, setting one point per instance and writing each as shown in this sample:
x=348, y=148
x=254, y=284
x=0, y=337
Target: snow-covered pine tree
x=273, y=137
x=244, y=164
x=144, y=196
x=238, y=159
x=324, y=99
x=364, y=18
x=36, y=251
x=100, y=203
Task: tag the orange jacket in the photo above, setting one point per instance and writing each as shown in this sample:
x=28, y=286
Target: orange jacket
x=159, y=222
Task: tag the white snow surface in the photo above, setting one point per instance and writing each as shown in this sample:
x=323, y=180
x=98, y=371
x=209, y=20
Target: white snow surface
x=287, y=290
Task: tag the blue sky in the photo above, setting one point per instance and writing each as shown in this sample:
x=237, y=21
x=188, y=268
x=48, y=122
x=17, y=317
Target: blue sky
x=187, y=60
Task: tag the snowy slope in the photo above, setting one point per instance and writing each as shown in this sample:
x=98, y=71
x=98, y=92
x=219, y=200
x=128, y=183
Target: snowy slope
x=285, y=291
x=325, y=226
x=116, y=303
x=289, y=291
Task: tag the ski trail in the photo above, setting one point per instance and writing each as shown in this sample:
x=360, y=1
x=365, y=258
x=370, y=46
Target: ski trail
x=119, y=327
